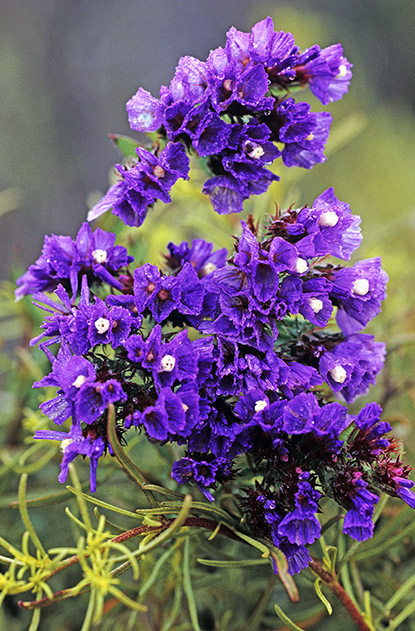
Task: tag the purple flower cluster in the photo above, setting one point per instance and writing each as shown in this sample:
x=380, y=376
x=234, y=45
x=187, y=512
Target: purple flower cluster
x=231, y=110
x=64, y=260
x=241, y=360
x=229, y=356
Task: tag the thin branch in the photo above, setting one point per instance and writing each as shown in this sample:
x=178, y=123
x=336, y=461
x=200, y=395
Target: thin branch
x=332, y=582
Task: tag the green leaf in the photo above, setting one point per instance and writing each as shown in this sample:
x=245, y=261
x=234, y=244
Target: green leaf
x=241, y=563
x=44, y=500
x=102, y=504
x=127, y=146
x=188, y=589
x=128, y=465
x=322, y=596
x=283, y=574
x=25, y=515
x=286, y=620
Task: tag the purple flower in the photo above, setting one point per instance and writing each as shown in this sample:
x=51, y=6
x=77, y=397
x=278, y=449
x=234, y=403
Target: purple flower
x=267, y=46
x=200, y=255
x=202, y=472
x=350, y=490
x=241, y=171
x=62, y=260
x=143, y=184
x=309, y=297
x=301, y=525
x=75, y=443
x=178, y=361
x=93, y=399
x=353, y=365
x=145, y=112
x=69, y=373
x=358, y=523
x=359, y=291
x=299, y=414
x=369, y=441
x=191, y=291
x=304, y=133
x=331, y=228
x=327, y=71
x=162, y=294
x=166, y=416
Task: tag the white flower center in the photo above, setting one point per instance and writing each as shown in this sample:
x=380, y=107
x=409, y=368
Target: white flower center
x=99, y=256
x=208, y=268
x=102, y=325
x=338, y=374
x=64, y=444
x=254, y=151
x=360, y=287
x=167, y=363
x=260, y=405
x=79, y=381
x=185, y=407
x=329, y=218
x=342, y=71
x=316, y=304
x=301, y=266
x=310, y=137
x=159, y=172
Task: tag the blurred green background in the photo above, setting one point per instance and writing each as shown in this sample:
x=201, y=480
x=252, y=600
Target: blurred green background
x=66, y=71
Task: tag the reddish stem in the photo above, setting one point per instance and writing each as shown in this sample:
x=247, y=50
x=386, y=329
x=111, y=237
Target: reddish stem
x=332, y=582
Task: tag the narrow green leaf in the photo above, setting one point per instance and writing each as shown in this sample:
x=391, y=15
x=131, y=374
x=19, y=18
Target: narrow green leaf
x=176, y=607
x=241, y=563
x=34, y=624
x=188, y=589
x=322, y=596
x=128, y=465
x=25, y=515
x=253, y=542
x=168, y=532
x=75, y=520
x=400, y=593
x=166, y=492
x=378, y=550
x=83, y=508
x=284, y=576
x=403, y=615
x=38, y=463
x=43, y=500
x=156, y=569
x=102, y=504
x=286, y=620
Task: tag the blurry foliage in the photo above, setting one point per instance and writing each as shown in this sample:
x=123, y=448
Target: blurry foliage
x=374, y=147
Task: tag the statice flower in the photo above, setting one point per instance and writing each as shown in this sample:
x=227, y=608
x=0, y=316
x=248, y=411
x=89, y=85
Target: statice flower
x=64, y=260
x=74, y=443
x=327, y=71
x=151, y=178
x=359, y=291
x=330, y=228
x=301, y=526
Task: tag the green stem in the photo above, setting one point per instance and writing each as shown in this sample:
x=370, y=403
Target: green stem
x=25, y=515
x=188, y=589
